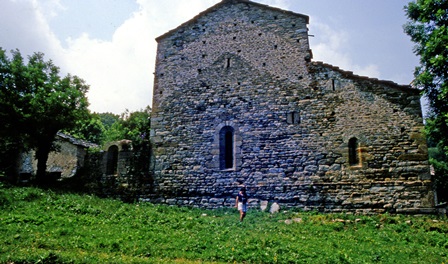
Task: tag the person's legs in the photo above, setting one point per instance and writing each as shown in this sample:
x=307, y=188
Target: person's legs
x=242, y=215
x=243, y=212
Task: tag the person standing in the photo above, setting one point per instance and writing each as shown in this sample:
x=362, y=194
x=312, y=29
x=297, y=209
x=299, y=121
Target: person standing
x=241, y=203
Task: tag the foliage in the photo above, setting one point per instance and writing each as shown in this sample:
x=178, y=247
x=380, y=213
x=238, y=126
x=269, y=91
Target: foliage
x=90, y=129
x=36, y=103
x=428, y=28
x=437, y=158
x=49, y=227
x=134, y=126
x=12, y=138
x=137, y=125
x=112, y=129
x=115, y=132
x=108, y=119
x=101, y=128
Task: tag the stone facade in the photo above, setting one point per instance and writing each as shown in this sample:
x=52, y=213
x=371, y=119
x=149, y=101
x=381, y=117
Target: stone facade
x=238, y=100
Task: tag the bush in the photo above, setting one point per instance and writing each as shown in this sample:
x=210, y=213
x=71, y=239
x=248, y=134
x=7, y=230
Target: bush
x=5, y=202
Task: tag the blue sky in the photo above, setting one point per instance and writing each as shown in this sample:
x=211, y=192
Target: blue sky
x=110, y=43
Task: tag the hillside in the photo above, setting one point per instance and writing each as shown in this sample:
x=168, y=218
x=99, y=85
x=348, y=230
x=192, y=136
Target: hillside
x=45, y=226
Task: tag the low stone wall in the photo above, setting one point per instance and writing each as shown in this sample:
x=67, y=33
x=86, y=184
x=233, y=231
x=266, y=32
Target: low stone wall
x=364, y=197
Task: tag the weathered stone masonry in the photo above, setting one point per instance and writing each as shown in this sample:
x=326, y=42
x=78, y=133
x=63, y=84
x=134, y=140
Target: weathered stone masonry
x=237, y=100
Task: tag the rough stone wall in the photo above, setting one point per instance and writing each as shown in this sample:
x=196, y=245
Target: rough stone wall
x=132, y=175
x=67, y=160
x=245, y=66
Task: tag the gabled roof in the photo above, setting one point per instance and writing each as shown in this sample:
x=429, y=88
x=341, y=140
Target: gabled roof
x=225, y=2
x=75, y=141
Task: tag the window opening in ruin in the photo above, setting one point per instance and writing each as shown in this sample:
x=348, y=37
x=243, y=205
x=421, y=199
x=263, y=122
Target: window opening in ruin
x=332, y=85
x=112, y=160
x=353, y=153
x=226, y=147
x=293, y=118
x=228, y=63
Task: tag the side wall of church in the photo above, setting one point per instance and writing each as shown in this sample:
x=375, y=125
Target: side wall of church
x=238, y=81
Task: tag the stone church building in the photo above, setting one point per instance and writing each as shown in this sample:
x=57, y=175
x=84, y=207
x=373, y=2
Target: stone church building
x=238, y=100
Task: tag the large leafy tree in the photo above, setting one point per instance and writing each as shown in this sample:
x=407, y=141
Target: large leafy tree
x=12, y=75
x=428, y=28
x=36, y=103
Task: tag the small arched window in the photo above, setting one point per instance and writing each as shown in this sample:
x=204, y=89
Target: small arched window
x=112, y=160
x=226, y=148
x=353, y=153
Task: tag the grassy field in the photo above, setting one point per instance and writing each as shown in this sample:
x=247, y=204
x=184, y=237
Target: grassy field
x=44, y=226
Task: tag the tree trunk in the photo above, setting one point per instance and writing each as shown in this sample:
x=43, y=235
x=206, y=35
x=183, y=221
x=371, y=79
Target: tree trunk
x=42, y=157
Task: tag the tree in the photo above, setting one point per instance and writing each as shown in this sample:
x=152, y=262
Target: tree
x=428, y=28
x=101, y=128
x=134, y=126
x=90, y=129
x=108, y=119
x=11, y=143
x=36, y=103
x=137, y=124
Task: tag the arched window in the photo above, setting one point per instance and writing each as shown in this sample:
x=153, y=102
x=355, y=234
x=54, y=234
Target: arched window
x=353, y=154
x=226, y=148
x=112, y=160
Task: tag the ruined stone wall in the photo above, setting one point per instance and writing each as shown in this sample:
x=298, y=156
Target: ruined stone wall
x=246, y=68
x=66, y=161
x=131, y=175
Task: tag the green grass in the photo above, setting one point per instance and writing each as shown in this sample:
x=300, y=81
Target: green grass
x=44, y=226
